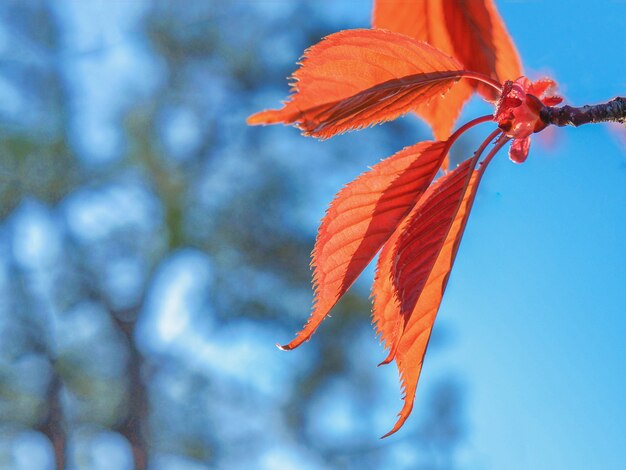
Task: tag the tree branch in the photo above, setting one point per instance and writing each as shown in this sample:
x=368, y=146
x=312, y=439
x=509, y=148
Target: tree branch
x=54, y=425
x=612, y=111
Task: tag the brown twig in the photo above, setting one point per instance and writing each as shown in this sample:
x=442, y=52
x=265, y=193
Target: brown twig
x=612, y=111
x=54, y=425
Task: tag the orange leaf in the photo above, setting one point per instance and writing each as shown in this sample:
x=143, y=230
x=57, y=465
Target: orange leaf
x=389, y=313
x=424, y=21
x=358, y=78
x=449, y=202
x=386, y=314
x=472, y=31
x=361, y=218
x=419, y=244
x=481, y=41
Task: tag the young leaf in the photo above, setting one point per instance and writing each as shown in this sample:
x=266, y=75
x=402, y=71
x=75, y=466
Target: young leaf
x=386, y=315
x=394, y=295
x=481, y=41
x=412, y=346
x=417, y=310
x=472, y=31
x=421, y=241
x=358, y=78
x=425, y=21
x=418, y=322
x=361, y=218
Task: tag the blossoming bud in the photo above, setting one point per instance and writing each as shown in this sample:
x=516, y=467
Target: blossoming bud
x=518, y=112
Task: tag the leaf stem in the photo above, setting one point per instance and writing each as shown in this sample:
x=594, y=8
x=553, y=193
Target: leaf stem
x=499, y=144
x=454, y=137
x=611, y=111
x=483, y=78
x=479, y=151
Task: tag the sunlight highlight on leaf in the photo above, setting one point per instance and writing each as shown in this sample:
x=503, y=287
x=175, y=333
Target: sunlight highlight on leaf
x=357, y=78
x=361, y=218
x=471, y=31
x=412, y=345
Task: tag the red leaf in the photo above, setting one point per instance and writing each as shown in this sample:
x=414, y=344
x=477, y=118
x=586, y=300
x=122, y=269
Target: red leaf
x=425, y=21
x=419, y=244
x=358, y=78
x=481, y=41
x=424, y=301
x=472, y=31
x=394, y=298
x=361, y=218
x=386, y=315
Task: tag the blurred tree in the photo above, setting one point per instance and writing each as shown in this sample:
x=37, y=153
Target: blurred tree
x=153, y=249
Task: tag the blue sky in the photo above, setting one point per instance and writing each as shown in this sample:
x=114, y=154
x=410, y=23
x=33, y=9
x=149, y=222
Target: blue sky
x=533, y=318
x=536, y=302
x=535, y=306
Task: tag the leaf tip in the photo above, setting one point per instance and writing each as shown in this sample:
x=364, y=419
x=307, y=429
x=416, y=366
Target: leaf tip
x=390, y=357
x=401, y=420
x=269, y=116
x=393, y=431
